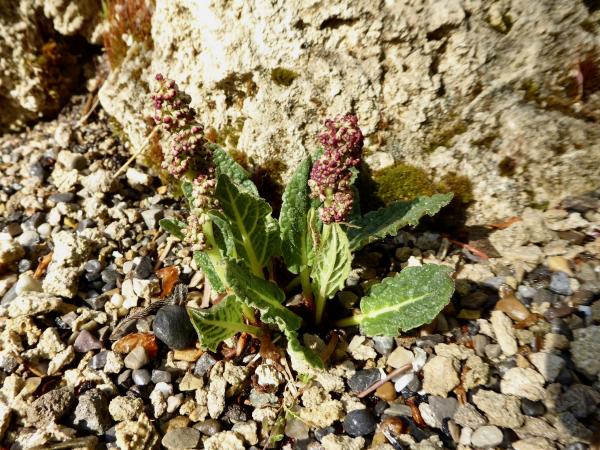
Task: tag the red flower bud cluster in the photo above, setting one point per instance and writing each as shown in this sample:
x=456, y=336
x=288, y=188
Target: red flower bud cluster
x=331, y=174
x=187, y=154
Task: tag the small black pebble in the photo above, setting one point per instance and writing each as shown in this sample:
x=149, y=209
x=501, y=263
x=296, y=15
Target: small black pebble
x=173, y=327
x=145, y=268
x=531, y=408
x=359, y=422
x=364, y=379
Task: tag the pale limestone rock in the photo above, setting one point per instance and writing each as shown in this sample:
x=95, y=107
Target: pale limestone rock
x=524, y=383
x=435, y=384
x=136, y=434
x=501, y=410
x=225, y=440
x=34, y=304
x=504, y=332
x=125, y=408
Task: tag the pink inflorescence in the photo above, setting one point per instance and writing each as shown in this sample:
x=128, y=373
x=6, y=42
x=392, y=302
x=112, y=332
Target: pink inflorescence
x=187, y=151
x=331, y=173
x=187, y=156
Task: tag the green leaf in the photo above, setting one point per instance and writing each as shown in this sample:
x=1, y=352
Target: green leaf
x=173, y=226
x=260, y=294
x=376, y=225
x=218, y=323
x=226, y=165
x=333, y=261
x=248, y=219
x=407, y=300
x=224, y=235
x=301, y=352
x=296, y=243
x=203, y=261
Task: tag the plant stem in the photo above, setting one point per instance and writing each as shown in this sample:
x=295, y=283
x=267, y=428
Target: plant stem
x=254, y=331
x=348, y=321
x=319, y=307
x=212, y=250
x=305, y=281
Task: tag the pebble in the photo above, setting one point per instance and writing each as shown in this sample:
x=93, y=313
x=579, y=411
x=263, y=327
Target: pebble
x=560, y=284
x=433, y=382
x=29, y=239
x=504, y=332
x=204, y=364
x=51, y=406
x=140, y=377
x=443, y=408
x=359, y=422
x=209, y=427
x=173, y=327
x=548, y=364
x=363, y=379
x=400, y=357
x=161, y=376
x=386, y=392
x=144, y=269
x=501, y=410
x=91, y=413
x=531, y=408
x=383, y=344
x=513, y=308
x=296, y=429
x=181, y=438
x=85, y=342
x=137, y=358
x=523, y=382
x=151, y=217
x=98, y=361
x=487, y=436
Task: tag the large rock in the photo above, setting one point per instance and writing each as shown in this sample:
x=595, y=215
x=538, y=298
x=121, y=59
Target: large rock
x=486, y=89
x=40, y=55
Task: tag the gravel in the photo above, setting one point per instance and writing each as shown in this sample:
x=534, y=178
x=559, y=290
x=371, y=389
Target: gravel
x=511, y=363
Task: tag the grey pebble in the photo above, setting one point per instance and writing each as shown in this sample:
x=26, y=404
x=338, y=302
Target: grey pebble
x=209, y=427
x=98, y=361
x=161, y=376
x=140, y=377
x=359, y=422
x=383, y=344
x=91, y=413
x=363, y=379
x=181, y=438
x=559, y=283
x=204, y=364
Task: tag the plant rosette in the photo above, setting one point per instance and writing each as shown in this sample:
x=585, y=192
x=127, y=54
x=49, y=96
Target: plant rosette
x=235, y=238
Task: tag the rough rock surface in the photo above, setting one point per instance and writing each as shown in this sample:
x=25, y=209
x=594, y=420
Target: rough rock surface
x=39, y=65
x=486, y=89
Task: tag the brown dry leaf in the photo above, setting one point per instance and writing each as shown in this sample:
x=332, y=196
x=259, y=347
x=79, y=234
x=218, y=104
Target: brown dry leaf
x=129, y=342
x=42, y=266
x=168, y=276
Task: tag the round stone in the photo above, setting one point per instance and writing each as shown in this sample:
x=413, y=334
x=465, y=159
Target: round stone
x=141, y=377
x=487, y=436
x=531, y=408
x=359, y=422
x=209, y=427
x=173, y=327
x=181, y=438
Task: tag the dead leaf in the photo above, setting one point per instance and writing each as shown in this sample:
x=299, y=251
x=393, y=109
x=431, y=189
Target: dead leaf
x=168, y=276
